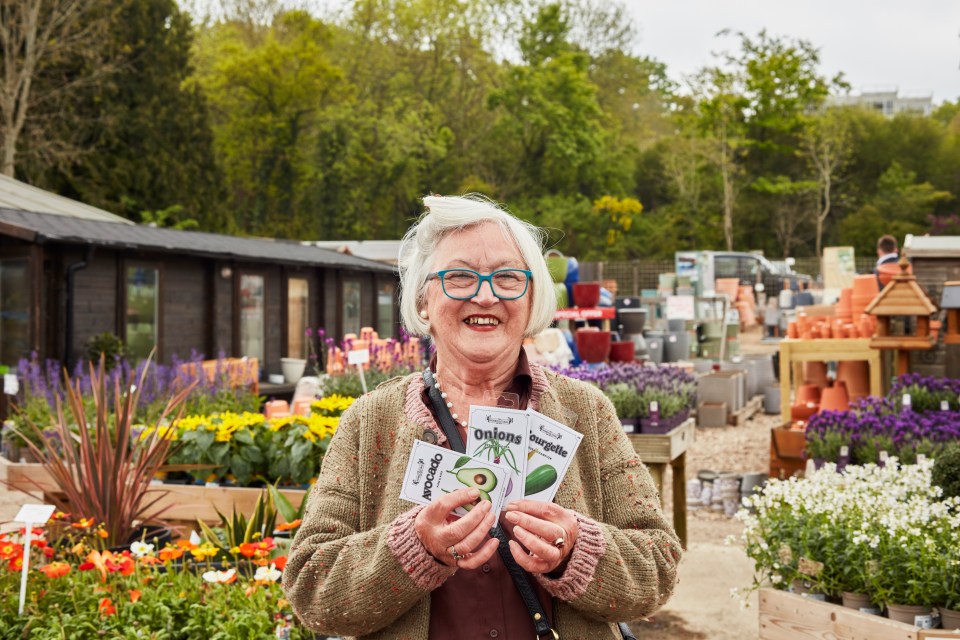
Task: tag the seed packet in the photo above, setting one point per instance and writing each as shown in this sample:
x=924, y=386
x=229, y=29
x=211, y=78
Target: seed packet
x=499, y=435
x=434, y=472
x=552, y=446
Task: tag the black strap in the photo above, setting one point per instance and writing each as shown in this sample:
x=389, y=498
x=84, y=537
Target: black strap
x=520, y=579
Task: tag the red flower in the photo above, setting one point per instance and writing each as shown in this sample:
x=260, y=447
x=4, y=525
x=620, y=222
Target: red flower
x=106, y=607
x=135, y=595
x=16, y=564
x=48, y=552
x=280, y=562
x=10, y=550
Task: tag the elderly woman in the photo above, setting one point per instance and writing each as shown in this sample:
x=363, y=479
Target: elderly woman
x=366, y=563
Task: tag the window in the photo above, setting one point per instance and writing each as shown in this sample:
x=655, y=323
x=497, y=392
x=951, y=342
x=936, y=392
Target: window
x=386, y=321
x=14, y=311
x=725, y=267
x=298, y=316
x=251, y=317
x=350, y=314
x=142, y=306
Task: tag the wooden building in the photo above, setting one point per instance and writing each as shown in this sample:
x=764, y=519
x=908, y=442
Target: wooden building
x=69, y=272
x=935, y=260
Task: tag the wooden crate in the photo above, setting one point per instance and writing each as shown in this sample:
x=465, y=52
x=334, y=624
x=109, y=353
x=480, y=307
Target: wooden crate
x=788, y=616
x=787, y=448
x=29, y=477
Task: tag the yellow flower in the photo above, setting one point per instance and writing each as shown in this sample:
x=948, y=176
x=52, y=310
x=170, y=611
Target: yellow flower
x=204, y=551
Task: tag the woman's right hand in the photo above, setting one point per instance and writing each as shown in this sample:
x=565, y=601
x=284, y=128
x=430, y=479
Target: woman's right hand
x=469, y=535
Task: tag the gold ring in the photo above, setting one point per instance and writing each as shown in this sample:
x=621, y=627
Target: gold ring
x=457, y=557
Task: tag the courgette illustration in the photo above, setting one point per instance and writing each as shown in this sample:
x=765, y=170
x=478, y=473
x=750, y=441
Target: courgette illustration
x=540, y=479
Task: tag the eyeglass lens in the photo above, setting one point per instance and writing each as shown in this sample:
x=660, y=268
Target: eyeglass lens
x=507, y=283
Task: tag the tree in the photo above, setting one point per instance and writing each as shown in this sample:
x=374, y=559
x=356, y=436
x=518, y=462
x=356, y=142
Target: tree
x=35, y=36
x=826, y=145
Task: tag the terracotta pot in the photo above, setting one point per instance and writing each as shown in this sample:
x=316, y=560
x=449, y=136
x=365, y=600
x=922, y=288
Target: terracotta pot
x=834, y=399
x=792, y=331
x=586, y=294
x=803, y=411
x=815, y=372
x=855, y=374
x=622, y=351
x=808, y=393
x=911, y=614
x=865, y=285
x=593, y=346
x=886, y=272
x=949, y=618
x=860, y=602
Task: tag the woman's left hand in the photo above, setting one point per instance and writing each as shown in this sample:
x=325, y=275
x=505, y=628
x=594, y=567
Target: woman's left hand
x=547, y=532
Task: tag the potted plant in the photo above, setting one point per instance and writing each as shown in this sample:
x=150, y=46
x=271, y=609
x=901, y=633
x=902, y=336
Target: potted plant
x=103, y=470
x=626, y=402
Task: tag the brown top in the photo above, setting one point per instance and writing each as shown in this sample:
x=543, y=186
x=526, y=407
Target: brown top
x=484, y=603
x=357, y=569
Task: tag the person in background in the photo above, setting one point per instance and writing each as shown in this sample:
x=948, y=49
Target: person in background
x=886, y=254
x=366, y=563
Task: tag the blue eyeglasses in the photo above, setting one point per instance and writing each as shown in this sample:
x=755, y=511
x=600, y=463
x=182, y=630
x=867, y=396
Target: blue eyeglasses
x=463, y=284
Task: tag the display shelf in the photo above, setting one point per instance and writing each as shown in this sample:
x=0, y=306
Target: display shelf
x=793, y=353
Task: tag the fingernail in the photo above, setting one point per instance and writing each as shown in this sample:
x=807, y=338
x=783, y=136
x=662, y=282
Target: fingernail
x=473, y=493
x=513, y=517
x=510, y=507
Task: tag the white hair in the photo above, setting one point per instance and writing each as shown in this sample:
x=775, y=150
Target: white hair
x=448, y=214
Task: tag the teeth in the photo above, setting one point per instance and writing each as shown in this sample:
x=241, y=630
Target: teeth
x=475, y=320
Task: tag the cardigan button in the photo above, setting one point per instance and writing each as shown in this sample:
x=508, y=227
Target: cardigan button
x=485, y=568
x=494, y=633
x=429, y=436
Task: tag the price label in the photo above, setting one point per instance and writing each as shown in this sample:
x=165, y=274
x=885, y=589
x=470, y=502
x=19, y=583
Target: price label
x=35, y=513
x=11, y=386
x=359, y=356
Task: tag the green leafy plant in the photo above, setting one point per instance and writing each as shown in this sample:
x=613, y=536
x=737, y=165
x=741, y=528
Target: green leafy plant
x=825, y=446
x=238, y=529
x=946, y=471
x=625, y=400
x=103, y=470
x=107, y=346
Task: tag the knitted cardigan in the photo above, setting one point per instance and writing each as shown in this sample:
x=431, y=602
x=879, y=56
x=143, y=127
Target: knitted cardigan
x=356, y=567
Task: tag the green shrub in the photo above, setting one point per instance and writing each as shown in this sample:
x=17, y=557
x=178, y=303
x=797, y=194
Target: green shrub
x=946, y=471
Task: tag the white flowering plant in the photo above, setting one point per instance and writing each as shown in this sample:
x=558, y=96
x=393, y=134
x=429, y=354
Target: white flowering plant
x=884, y=531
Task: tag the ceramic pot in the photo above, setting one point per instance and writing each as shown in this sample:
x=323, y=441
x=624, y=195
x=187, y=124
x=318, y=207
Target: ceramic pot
x=855, y=374
x=803, y=411
x=560, y=291
x=949, y=618
x=586, y=294
x=593, y=346
x=865, y=285
x=886, y=272
x=805, y=589
x=861, y=602
x=632, y=320
x=815, y=372
x=622, y=351
x=771, y=399
x=916, y=615
x=292, y=368
x=556, y=265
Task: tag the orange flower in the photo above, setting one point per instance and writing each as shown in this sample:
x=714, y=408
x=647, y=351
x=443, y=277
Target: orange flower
x=248, y=549
x=48, y=552
x=249, y=591
x=282, y=603
x=262, y=548
x=83, y=523
x=280, y=562
x=119, y=564
x=170, y=553
x=78, y=548
x=150, y=560
x=56, y=569
x=16, y=564
x=186, y=544
x=102, y=533
x=59, y=515
x=106, y=607
x=135, y=595
x=287, y=526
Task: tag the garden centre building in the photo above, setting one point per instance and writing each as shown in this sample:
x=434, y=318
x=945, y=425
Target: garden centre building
x=69, y=272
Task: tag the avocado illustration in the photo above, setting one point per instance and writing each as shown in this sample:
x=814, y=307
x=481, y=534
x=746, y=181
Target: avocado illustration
x=483, y=496
x=478, y=478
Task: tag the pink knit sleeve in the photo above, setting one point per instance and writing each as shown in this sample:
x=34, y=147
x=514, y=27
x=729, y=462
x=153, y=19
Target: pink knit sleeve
x=419, y=563
x=581, y=564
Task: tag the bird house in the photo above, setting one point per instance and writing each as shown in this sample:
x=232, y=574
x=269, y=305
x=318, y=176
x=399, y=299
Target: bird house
x=951, y=302
x=903, y=313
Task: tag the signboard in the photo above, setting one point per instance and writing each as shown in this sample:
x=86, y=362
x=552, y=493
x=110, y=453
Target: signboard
x=838, y=267
x=681, y=308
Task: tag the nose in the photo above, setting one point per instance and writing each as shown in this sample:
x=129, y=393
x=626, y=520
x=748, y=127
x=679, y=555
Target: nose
x=485, y=295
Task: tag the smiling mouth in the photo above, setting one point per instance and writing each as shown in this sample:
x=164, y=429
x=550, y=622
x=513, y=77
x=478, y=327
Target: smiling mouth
x=482, y=320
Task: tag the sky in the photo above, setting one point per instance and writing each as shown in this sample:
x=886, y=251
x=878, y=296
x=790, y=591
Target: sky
x=912, y=45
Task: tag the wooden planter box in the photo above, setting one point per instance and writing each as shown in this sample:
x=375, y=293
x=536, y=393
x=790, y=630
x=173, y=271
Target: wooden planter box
x=787, y=447
x=186, y=502
x=788, y=616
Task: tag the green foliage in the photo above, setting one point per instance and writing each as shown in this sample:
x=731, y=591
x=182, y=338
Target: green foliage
x=108, y=345
x=946, y=472
x=625, y=400
x=238, y=528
